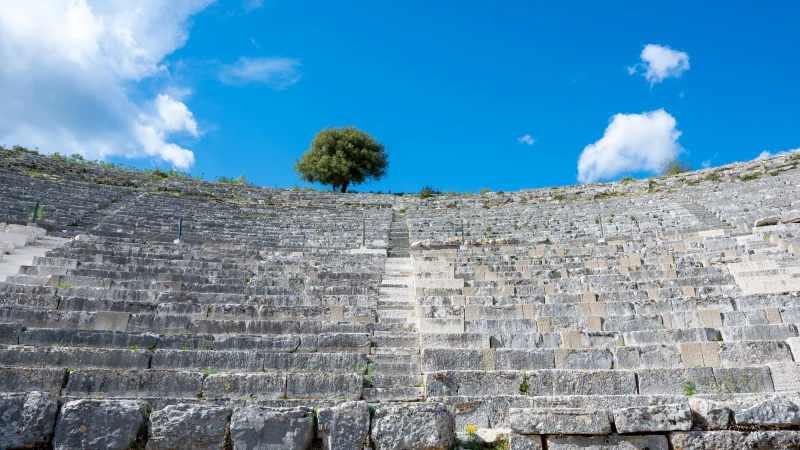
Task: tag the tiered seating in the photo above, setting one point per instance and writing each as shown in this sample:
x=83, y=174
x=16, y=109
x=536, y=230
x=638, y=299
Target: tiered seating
x=646, y=314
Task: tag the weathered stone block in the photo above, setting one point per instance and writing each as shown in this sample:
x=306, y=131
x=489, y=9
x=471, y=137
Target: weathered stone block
x=27, y=420
x=344, y=426
x=652, y=442
x=99, y=424
x=257, y=427
x=651, y=419
x=422, y=426
x=559, y=421
x=187, y=426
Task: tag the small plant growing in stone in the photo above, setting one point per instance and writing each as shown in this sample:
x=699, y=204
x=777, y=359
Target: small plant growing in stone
x=65, y=285
x=523, y=387
x=689, y=388
x=135, y=347
x=208, y=372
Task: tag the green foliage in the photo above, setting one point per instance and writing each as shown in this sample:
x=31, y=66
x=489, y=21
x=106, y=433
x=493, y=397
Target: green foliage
x=673, y=166
x=689, y=388
x=341, y=157
x=241, y=179
x=523, y=387
x=65, y=285
x=713, y=176
x=428, y=191
x=628, y=179
x=750, y=176
x=208, y=372
x=482, y=191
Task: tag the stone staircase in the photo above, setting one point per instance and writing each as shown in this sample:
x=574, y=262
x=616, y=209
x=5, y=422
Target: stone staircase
x=398, y=236
x=394, y=372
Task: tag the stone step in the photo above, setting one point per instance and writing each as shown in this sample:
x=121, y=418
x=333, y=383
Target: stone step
x=394, y=394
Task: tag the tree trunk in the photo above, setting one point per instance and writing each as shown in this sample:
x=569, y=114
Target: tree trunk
x=344, y=186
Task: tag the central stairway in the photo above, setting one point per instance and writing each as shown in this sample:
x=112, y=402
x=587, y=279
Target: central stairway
x=394, y=372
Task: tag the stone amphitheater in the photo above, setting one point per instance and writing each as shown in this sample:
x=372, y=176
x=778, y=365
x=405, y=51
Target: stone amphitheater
x=643, y=314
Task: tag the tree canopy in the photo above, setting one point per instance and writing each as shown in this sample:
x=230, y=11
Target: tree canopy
x=341, y=157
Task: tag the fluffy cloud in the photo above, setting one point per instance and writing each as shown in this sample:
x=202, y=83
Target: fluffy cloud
x=527, y=139
x=661, y=62
x=768, y=154
x=631, y=143
x=278, y=73
x=69, y=70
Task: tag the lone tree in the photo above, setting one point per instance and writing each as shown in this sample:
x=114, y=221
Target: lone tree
x=341, y=157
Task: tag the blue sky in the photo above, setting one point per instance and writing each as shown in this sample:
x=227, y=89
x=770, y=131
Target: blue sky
x=451, y=88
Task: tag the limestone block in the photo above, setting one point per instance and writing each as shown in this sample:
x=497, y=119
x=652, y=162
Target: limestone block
x=676, y=381
x=710, y=317
x=572, y=339
x=753, y=353
x=26, y=419
x=671, y=274
x=313, y=385
x=647, y=357
x=778, y=410
x=794, y=346
x=189, y=426
x=525, y=442
x=259, y=427
x=653, y=294
x=688, y=291
x=524, y=359
x=96, y=383
x=785, y=376
x=436, y=359
x=588, y=297
x=583, y=359
x=544, y=325
x=103, y=424
x=743, y=379
x=464, y=383
x=27, y=379
x=344, y=342
x=718, y=440
x=413, y=426
x=255, y=386
x=447, y=340
x=650, y=419
x=344, y=426
x=111, y=321
x=488, y=359
x=773, y=315
x=772, y=332
x=208, y=360
x=709, y=414
x=594, y=323
x=559, y=421
x=590, y=382
x=711, y=354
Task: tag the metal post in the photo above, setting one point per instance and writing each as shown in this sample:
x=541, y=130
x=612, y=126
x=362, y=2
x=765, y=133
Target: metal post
x=180, y=227
x=36, y=211
x=600, y=218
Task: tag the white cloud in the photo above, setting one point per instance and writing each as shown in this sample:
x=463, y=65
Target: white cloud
x=255, y=43
x=768, y=154
x=69, y=70
x=527, y=139
x=706, y=164
x=631, y=143
x=660, y=62
x=174, y=115
x=278, y=73
x=252, y=5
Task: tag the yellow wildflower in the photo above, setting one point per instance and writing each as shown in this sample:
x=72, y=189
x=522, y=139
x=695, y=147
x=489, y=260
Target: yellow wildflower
x=471, y=429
